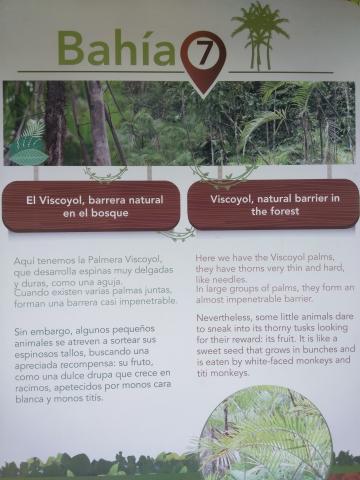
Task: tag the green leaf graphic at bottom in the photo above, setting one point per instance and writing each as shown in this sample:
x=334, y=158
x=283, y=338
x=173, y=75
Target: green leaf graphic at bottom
x=29, y=157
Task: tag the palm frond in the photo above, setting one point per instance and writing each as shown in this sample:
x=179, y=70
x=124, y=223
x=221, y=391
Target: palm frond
x=304, y=92
x=262, y=119
x=34, y=128
x=267, y=89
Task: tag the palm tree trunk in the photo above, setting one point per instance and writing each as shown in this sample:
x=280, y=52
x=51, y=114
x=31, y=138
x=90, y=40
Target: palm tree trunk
x=320, y=123
x=321, y=141
x=98, y=125
x=274, y=124
x=327, y=155
x=117, y=143
x=18, y=110
x=84, y=152
x=38, y=91
x=306, y=141
x=212, y=149
x=348, y=120
x=55, y=122
x=183, y=116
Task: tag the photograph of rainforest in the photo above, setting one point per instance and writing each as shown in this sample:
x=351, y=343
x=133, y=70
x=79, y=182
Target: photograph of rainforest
x=265, y=433
x=167, y=123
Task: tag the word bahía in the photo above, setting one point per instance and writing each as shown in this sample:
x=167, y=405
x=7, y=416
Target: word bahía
x=72, y=51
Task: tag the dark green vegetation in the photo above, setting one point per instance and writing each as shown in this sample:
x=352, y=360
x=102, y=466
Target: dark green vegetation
x=167, y=123
x=345, y=462
x=153, y=476
x=165, y=465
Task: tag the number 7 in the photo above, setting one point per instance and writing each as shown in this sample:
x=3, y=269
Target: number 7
x=209, y=44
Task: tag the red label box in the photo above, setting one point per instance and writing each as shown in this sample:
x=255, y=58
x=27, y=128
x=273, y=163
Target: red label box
x=274, y=204
x=90, y=207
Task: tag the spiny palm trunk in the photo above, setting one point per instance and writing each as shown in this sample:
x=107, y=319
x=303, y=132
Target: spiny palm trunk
x=321, y=141
x=212, y=149
x=348, y=120
x=118, y=146
x=327, y=156
x=55, y=122
x=305, y=126
x=320, y=124
x=98, y=125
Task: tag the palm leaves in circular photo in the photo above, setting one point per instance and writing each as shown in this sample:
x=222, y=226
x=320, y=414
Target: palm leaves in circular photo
x=265, y=433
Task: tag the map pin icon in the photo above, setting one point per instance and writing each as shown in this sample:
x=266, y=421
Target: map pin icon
x=204, y=77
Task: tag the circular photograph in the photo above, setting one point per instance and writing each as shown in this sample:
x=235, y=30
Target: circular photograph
x=265, y=433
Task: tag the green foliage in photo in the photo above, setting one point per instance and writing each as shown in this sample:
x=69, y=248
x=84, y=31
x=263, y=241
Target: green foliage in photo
x=265, y=433
x=169, y=124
